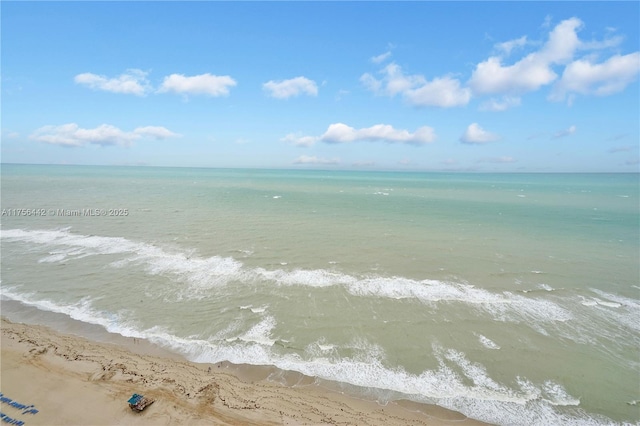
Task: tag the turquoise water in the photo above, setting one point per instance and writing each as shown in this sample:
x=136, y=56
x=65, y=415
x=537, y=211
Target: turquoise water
x=512, y=298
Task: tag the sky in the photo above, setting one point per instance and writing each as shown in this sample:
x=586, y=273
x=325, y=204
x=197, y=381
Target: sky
x=427, y=86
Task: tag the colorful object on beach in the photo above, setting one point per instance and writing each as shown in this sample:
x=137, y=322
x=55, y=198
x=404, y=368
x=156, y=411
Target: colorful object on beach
x=139, y=402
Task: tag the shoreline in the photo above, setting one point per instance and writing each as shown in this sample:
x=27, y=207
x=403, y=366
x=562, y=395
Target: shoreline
x=72, y=380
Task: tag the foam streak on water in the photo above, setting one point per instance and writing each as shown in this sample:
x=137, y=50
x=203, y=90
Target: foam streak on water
x=366, y=369
x=456, y=383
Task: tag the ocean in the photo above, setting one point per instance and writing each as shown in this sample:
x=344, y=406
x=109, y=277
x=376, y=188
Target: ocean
x=511, y=298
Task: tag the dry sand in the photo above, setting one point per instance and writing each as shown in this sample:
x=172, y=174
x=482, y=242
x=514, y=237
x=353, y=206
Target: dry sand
x=73, y=381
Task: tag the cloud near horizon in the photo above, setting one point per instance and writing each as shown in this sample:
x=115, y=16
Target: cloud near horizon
x=477, y=135
x=341, y=133
x=338, y=133
x=71, y=135
x=285, y=89
x=498, y=160
x=305, y=159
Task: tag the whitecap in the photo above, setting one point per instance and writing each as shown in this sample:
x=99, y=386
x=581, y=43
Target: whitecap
x=486, y=342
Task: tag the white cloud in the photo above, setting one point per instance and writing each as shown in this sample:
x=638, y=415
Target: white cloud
x=341, y=133
x=203, y=84
x=371, y=83
x=157, y=132
x=381, y=58
x=508, y=46
x=527, y=75
x=604, y=44
x=71, y=135
x=299, y=140
x=133, y=82
x=305, y=159
x=500, y=105
x=477, y=135
x=563, y=42
x=586, y=78
x=285, y=89
x=563, y=133
x=534, y=70
x=442, y=92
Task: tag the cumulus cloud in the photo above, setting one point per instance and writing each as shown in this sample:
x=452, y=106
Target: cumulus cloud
x=285, y=89
x=563, y=133
x=203, y=84
x=584, y=76
x=133, y=82
x=305, y=159
x=341, y=133
x=604, y=44
x=298, y=139
x=534, y=70
x=600, y=79
x=444, y=92
x=477, y=135
x=71, y=135
x=500, y=104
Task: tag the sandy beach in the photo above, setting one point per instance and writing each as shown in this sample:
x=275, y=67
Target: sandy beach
x=70, y=380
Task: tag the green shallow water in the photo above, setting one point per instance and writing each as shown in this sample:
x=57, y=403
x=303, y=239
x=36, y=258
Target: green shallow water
x=504, y=296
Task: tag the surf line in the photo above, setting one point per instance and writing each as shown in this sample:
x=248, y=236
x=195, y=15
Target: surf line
x=28, y=409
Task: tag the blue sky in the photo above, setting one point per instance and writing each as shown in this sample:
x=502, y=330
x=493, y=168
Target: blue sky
x=469, y=86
